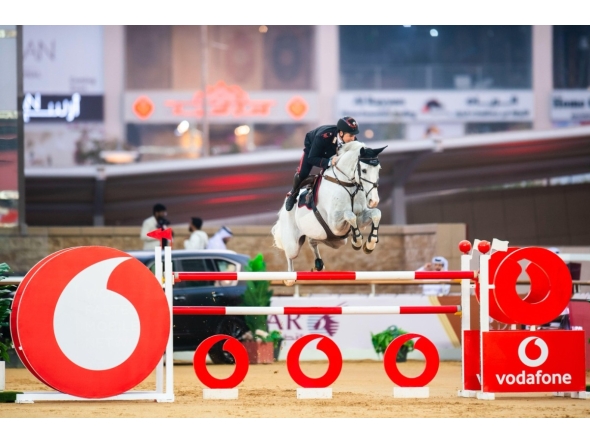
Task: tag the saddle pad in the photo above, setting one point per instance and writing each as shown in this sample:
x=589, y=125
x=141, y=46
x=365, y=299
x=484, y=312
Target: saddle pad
x=305, y=196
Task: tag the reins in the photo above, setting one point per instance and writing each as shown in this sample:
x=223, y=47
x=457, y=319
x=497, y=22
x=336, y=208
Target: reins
x=357, y=187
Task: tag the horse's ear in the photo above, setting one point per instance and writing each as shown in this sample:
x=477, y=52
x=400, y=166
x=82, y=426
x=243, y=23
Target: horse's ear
x=377, y=151
x=362, y=151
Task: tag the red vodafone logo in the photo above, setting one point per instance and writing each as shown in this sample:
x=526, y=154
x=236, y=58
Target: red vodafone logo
x=91, y=322
x=523, y=356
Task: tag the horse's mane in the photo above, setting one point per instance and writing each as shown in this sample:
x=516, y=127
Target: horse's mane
x=355, y=145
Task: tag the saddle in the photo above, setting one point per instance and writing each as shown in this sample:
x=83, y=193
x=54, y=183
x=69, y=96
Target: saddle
x=309, y=198
x=312, y=186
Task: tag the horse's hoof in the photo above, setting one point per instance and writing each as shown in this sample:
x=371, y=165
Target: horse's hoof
x=289, y=283
x=356, y=248
x=366, y=250
x=319, y=265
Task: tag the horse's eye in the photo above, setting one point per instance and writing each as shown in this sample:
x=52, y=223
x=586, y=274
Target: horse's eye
x=364, y=170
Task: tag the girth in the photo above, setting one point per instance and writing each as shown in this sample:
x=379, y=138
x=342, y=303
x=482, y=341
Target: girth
x=318, y=216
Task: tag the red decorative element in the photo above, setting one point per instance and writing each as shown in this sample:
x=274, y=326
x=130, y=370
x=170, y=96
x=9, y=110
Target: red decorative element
x=326, y=275
x=32, y=322
x=297, y=107
x=465, y=246
x=205, y=276
x=484, y=246
x=231, y=345
x=436, y=275
x=422, y=344
x=312, y=310
x=161, y=234
x=198, y=310
x=143, y=107
x=533, y=361
x=331, y=350
x=545, y=302
x=430, y=309
x=222, y=100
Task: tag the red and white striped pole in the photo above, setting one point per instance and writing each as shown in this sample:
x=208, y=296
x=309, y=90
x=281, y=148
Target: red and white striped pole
x=359, y=310
x=322, y=276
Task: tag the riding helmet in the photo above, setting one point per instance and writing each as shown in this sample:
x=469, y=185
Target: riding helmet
x=348, y=124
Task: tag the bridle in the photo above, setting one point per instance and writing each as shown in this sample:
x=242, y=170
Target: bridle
x=358, y=186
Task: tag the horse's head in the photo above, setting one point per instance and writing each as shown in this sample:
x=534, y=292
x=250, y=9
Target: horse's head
x=363, y=165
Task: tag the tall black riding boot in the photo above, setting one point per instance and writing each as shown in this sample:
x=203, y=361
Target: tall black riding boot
x=292, y=195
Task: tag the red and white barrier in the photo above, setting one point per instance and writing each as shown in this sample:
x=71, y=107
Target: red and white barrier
x=323, y=276
x=358, y=310
x=46, y=317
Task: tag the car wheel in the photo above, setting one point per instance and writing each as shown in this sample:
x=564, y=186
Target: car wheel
x=231, y=326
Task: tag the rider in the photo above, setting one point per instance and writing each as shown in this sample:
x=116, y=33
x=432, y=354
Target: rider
x=321, y=146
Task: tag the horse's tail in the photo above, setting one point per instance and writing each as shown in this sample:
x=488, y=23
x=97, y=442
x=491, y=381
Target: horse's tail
x=276, y=232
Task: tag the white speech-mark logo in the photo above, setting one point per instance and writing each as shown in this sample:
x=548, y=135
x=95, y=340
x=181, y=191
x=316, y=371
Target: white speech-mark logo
x=533, y=362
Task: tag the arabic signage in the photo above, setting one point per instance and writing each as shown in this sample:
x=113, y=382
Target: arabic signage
x=436, y=106
x=59, y=108
x=63, y=59
x=570, y=105
x=225, y=104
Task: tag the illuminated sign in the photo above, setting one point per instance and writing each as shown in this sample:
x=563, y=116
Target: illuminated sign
x=225, y=104
x=62, y=108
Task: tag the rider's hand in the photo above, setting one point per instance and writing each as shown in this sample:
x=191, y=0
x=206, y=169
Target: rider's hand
x=334, y=159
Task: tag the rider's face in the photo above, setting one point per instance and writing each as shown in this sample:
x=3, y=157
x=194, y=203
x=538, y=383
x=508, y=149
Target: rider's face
x=346, y=137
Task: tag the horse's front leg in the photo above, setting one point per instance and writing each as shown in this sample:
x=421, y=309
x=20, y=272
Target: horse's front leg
x=357, y=237
x=319, y=263
x=373, y=216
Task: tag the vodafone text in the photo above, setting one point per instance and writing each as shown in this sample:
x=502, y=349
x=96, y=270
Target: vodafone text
x=539, y=377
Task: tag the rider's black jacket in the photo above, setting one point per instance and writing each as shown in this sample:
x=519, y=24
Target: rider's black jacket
x=320, y=145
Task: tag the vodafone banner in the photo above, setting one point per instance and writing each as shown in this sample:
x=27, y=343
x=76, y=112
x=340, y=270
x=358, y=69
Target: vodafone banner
x=352, y=333
x=437, y=106
x=541, y=361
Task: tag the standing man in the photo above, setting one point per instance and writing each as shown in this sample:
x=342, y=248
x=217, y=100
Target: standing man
x=321, y=147
x=220, y=239
x=438, y=263
x=156, y=221
x=198, y=239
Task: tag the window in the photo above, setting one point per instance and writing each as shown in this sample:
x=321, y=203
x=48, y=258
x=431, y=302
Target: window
x=435, y=57
x=195, y=265
x=571, y=57
x=228, y=267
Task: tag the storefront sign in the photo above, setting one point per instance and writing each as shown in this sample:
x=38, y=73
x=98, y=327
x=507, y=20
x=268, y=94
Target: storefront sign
x=63, y=59
x=54, y=108
x=225, y=104
x=436, y=106
x=570, y=106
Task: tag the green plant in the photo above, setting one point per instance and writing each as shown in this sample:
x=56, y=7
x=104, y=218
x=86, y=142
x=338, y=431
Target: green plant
x=5, y=342
x=257, y=294
x=382, y=340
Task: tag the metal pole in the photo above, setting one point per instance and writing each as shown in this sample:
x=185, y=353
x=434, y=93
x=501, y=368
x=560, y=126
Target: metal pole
x=204, y=82
x=20, y=131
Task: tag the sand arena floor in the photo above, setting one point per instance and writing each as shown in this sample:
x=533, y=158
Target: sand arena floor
x=362, y=390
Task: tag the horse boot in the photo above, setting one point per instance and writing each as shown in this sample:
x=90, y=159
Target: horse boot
x=292, y=195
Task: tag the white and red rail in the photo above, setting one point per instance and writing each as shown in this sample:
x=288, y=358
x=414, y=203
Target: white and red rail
x=359, y=310
x=322, y=276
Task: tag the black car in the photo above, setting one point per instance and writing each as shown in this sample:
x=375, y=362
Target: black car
x=190, y=331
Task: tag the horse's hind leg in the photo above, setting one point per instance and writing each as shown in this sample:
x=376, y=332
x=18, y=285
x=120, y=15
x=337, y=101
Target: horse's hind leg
x=319, y=263
x=357, y=237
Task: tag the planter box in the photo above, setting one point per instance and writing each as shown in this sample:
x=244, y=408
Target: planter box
x=260, y=352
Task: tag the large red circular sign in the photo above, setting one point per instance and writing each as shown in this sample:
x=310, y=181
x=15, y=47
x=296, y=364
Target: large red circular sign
x=231, y=345
x=422, y=344
x=91, y=322
x=540, y=285
x=547, y=298
x=331, y=350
